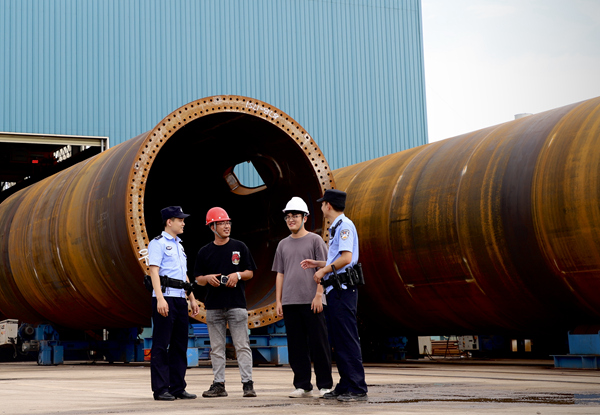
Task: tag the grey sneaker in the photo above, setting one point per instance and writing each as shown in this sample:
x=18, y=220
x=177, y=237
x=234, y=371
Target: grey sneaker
x=217, y=389
x=248, y=388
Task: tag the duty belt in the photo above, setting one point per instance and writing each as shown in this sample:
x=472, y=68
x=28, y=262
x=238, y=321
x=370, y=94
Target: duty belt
x=352, y=276
x=169, y=282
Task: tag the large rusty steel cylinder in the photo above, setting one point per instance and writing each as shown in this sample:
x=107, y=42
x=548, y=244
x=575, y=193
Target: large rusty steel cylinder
x=73, y=247
x=493, y=231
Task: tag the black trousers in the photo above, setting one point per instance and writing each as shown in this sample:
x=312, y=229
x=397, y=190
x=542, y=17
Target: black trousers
x=343, y=334
x=306, y=338
x=169, y=347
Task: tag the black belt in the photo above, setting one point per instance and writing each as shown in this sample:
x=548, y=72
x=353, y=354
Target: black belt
x=169, y=282
x=353, y=276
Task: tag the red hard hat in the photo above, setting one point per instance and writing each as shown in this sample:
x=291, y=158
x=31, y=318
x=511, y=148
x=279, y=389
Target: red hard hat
x=216, y=214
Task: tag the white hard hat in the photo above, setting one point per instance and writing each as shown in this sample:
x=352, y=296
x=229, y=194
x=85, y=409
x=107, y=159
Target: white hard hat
x=296, y=204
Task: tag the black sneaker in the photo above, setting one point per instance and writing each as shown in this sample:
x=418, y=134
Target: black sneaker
x=217, y=389
x=352, y=397
x=248, y=388
x=331, y=395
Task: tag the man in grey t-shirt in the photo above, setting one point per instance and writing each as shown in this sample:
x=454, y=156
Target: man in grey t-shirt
x=300, y=301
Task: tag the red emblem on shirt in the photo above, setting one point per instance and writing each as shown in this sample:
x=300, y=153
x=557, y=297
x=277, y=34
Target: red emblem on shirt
x=235, y=257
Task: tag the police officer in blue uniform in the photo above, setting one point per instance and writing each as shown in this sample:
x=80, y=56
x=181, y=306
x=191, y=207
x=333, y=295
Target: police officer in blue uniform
x=338, y=274
x=166, y=257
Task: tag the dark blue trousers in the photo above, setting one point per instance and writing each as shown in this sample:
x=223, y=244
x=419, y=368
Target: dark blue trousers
x=169, y=347
x=343, y=334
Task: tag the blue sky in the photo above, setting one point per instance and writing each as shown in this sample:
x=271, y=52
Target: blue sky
x=487, y=60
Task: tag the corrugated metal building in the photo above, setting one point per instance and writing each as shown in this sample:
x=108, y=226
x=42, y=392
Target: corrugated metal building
x=349, y=71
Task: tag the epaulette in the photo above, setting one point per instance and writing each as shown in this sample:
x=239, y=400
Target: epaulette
x=158, y=237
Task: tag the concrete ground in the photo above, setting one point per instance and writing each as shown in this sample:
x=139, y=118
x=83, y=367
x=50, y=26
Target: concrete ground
x=412, y=387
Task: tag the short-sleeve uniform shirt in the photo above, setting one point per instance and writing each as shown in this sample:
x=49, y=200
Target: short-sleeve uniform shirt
x=344, y=238
x=167, y=253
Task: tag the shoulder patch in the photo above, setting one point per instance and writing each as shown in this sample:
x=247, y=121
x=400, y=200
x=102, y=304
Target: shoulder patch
x=158, y=237
x=344, y=234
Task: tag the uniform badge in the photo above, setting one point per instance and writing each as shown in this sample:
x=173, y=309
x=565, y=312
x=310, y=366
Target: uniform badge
x=345, y=234
x=169, y=247
x=235, y=257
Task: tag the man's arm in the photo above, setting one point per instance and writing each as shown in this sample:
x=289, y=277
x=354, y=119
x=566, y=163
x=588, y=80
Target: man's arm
x=312, y=263
x=344, y=259
x=193, y=302
x=212, y=279
x=317, y=302
x=233, y=277
x=278, y=294
x=162, y=307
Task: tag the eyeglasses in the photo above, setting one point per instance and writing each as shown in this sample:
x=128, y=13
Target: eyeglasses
x=224, y=223
x=290, y=217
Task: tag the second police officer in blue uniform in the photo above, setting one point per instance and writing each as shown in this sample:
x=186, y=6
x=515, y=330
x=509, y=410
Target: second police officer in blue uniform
x=341, y=273
x=167, y=258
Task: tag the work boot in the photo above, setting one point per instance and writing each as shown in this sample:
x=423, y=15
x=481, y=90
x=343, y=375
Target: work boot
x=248, y=388
x=216, y=390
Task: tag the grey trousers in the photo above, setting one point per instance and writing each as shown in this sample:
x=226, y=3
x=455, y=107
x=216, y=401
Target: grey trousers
x=217, y=320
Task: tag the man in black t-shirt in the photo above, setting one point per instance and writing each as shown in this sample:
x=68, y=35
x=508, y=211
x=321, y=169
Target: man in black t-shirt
x=224, y=266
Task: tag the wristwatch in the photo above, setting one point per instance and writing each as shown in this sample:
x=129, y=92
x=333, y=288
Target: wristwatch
x=239, y=276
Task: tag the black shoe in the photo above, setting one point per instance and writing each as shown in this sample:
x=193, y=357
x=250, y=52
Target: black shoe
x=249, y=389
x=185, y=395
x=217, y=389
x=352, y=397
x=332, y=395
x=165, y=396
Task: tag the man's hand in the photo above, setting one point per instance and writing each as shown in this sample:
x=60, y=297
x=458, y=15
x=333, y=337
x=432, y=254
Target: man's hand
x=162, y=307
x=194, y=307
x=279, y=309
x=309, y=263
x=232, y=280
x=317, y=303
x=213, y=279
x=319, y=276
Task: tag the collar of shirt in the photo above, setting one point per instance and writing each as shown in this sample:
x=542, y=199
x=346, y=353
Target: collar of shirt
x=168, y=236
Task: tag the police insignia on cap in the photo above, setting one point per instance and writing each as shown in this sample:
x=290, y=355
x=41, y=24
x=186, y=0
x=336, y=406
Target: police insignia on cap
x=235, y=257
x=169, y=247
x=344, y=234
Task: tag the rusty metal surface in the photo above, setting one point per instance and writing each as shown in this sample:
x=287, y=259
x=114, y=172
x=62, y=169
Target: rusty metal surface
x=74, y=246
x=491, y=231
x=495, y=230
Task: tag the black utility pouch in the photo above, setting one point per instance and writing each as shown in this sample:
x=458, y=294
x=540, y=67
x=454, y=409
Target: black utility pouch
x=148, y=283
x=359, y=272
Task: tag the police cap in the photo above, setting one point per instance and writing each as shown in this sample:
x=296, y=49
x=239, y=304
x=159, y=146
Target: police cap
x=172, y=212
x=335, y=197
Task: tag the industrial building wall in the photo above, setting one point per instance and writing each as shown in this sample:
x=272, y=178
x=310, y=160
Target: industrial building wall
x=349, y=71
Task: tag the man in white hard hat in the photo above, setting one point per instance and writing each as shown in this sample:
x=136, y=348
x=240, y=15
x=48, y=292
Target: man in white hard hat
x=299, y=299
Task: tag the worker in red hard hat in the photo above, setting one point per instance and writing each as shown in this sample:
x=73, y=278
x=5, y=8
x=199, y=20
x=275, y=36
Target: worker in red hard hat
x=224, y=265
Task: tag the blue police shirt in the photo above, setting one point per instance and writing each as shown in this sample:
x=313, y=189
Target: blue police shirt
x=168, y=255
x=344, y=239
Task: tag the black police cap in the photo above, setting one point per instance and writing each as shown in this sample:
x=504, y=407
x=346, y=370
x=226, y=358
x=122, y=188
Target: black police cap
x=335, y=197
x=173, y=212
